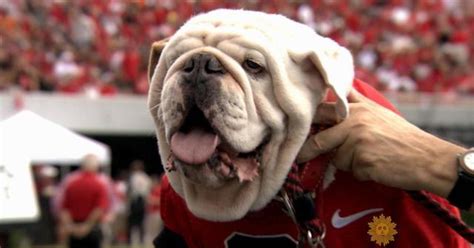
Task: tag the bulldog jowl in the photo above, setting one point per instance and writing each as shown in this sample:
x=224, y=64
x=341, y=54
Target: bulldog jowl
x=197, y=146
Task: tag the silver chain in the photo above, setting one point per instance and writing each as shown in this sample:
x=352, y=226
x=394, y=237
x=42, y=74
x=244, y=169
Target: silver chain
x=314, y=241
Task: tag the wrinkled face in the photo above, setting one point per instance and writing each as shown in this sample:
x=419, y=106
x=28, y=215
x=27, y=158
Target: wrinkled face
x=211, y=119
x=232, y=109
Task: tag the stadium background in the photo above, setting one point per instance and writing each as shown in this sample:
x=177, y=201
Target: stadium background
x=83, y=63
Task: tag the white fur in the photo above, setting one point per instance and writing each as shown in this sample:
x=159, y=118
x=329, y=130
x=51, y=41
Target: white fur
x=283, y=102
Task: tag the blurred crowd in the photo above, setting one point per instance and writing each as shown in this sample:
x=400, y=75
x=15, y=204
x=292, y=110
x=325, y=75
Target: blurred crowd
x=88, y=208
x=101, y=47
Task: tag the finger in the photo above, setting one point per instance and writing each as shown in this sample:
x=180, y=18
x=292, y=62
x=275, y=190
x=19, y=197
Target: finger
x=355, y=96
x=344, y=155
x=326, y=114
x=324, y=141
x=307, y=152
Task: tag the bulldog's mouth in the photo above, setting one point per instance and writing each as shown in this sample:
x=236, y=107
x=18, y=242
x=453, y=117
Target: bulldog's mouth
x=198, y=144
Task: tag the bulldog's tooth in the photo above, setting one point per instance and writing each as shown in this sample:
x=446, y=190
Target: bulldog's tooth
x=224, y=170
x=257, y=161
x=170, y=166
x=225, y=158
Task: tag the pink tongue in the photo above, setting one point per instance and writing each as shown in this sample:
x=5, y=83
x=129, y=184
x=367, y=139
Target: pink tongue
x=195, y=147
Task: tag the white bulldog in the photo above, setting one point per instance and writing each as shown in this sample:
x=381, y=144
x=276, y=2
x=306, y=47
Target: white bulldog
x=233, y=95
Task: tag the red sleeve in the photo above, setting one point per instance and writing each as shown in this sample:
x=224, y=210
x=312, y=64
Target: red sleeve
x=369, y=92
x=63, y=204
x=60, y=201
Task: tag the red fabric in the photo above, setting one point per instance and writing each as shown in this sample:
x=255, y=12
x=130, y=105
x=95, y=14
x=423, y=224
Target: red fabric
x=83, y=194
x=312, y=174
x=415, y=225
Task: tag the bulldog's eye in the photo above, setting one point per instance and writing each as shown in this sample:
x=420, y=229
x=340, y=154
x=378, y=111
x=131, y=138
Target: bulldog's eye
x=252, y=66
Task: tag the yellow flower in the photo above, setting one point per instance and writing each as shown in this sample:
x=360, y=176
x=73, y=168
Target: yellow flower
x=382, y=230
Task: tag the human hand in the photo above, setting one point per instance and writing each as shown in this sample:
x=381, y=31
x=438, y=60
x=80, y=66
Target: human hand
x=81, y=230
x=377, y=144
x=63, y=232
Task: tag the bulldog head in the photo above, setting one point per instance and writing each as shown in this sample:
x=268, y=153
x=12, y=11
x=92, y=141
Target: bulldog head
x=233, y=95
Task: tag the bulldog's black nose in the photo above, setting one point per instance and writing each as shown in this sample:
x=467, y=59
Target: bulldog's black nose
x=201, y=66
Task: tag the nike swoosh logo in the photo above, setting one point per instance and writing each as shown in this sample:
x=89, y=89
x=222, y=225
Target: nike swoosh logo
x=339, y=222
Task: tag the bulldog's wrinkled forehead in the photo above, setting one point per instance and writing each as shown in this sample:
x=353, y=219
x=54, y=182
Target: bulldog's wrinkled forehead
x=241, y=26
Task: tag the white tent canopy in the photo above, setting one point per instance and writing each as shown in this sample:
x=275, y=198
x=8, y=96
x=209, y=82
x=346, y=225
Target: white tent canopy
x=44, y=141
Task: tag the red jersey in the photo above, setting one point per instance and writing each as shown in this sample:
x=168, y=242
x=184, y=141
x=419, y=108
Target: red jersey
x=85, y=192
x=349, y=206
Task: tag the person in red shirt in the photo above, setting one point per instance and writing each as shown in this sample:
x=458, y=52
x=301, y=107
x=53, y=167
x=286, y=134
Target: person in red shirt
x=85, y=199
x=348, y=209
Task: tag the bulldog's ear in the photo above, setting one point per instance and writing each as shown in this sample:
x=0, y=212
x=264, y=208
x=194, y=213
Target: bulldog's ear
x=155, y=52
x=334, y=63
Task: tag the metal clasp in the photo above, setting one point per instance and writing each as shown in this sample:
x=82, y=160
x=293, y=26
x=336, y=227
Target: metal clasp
x=314, y=241
x=290, y=210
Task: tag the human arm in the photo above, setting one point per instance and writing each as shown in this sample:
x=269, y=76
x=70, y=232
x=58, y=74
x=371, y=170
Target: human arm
x=65, y=225
x=82, y=229
x=377, y=144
